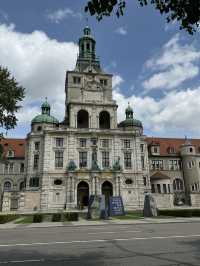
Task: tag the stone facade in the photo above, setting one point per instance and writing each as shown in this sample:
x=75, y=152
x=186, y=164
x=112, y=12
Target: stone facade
x=90, y=153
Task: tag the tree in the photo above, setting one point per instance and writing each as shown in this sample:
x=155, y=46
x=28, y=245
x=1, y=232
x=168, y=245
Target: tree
x=185, y=12
x=10, y=95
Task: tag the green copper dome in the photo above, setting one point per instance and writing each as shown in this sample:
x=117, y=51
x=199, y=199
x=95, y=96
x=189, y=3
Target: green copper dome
x=130, y=121
x=45, y=116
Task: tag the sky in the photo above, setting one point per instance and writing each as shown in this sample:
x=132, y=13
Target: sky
x=155, y=66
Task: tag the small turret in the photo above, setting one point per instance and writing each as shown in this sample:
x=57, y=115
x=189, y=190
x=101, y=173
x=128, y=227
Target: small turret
x=187, y=149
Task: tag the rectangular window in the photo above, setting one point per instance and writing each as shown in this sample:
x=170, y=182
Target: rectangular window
x=36, y=161
x=127, y=143
x=153, y=188
x=105, y=159
x=76, y=80
x=190, y=165
x=82, y=159
x=142, y=162
x=59, y=142
x=103, y=82
x=164, y=188
x=6, y=168
x=37, y=146
x=169, y=189
x=127, y=160
x=82, y=143
x=157, y=164
x=105, y=143
x=142, y=147
x=22, y=168
x=144, y=181
x=11, y=168
x=58, y=159
x=34, y=182
x=159, y=188
x=155, y=149
x=174, y=164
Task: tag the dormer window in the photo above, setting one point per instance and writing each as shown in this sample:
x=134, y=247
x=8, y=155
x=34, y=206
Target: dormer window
x=10, y=153
x=76, y=80
x=191, y=149
x=104, y=82
x=171, y=150
x=155, y=149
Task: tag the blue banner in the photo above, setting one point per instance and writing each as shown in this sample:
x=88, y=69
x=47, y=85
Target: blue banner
x=116, y=206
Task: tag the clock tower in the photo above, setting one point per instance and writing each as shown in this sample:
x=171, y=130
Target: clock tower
x=88, y=88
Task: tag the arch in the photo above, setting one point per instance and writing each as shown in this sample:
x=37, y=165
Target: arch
x=82, y=119
x=107, y=190
x=7, y=186
x=21, y=185
x=104, y=120
x=82, y=194
x=178, y=184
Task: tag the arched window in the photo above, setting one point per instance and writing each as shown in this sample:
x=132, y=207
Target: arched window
x=82, y=119
x=104, y=120
x=7, y=186
x=178, y=184
x=21, y=185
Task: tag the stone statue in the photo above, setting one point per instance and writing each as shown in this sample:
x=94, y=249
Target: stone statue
x=150, y=208
x=116, y=165
x=71, y=166
x=93, y=207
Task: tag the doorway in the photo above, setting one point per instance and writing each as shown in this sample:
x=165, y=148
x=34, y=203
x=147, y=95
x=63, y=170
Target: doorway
x=82, y=194
x=107, y=190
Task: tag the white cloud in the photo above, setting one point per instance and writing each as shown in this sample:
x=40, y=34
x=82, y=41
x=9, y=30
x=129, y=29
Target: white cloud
x=176, y=113
x=116, y=81
x=175, y=64
x=121, y=31
x=58, y=15
x=39, y=64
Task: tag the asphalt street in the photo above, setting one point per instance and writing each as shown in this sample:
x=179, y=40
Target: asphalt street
x=141, y=245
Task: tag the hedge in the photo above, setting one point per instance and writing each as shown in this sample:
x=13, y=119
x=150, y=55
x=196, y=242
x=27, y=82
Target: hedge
x=180, y=213
x=71, y=216
x=5, y=218
x=38, y=218
x=56, y=217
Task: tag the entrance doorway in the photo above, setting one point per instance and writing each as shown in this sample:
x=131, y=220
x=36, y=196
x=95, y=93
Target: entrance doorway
x=107, y=190
x=82, y=194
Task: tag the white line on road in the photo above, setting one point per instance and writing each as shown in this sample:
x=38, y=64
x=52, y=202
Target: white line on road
x=96, y=240
x=21, y=261
x=105, y=232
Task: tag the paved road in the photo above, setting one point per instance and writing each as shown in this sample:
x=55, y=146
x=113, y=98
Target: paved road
x=140, y=245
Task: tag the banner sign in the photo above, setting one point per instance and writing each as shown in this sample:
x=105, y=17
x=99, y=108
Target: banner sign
x=116, y=206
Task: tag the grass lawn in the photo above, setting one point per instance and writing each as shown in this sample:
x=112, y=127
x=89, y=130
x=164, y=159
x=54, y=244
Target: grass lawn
x=130, y=216
x=25, y=220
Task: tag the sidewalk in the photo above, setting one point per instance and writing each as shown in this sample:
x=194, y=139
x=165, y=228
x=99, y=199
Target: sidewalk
x=12, y=225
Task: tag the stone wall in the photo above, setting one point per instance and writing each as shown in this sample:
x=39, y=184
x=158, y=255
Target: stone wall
x=164, y=201
x=195, y=200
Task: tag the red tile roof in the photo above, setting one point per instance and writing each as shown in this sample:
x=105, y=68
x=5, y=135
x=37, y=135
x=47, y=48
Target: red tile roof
x=16, y=145
x=166, y=143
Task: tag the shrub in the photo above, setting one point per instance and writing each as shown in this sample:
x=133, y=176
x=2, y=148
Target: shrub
x=71, y=216
x=37, y=218
x=7, y=218
x=178, y=213
x=56, y=217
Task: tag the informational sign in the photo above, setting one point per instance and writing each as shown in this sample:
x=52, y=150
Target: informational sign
x=116, y=206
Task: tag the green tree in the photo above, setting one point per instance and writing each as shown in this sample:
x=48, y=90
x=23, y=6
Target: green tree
x=185, y=12
x=10, y=96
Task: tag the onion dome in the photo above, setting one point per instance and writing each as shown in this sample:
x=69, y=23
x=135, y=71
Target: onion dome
x=45, y=116
x=130, y=121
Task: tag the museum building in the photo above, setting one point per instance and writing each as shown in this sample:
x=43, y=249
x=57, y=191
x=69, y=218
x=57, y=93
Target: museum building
x=60, y=164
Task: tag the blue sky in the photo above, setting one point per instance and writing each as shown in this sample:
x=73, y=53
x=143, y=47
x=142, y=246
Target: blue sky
x=155, y=65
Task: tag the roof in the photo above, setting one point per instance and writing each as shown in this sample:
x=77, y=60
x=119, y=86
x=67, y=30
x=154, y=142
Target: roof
x=166, y=143
x=159, y=175
x=44, y=118
x=130, y=122
x=16, y=145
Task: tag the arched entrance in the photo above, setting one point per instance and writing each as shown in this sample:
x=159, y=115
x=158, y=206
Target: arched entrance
x=107, y=190
x=104, y=120
x=82, y=194
x=82, y=119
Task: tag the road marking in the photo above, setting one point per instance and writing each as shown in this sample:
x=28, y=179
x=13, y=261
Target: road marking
x=21, y=261
x=96, y=240
x=105, y=232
